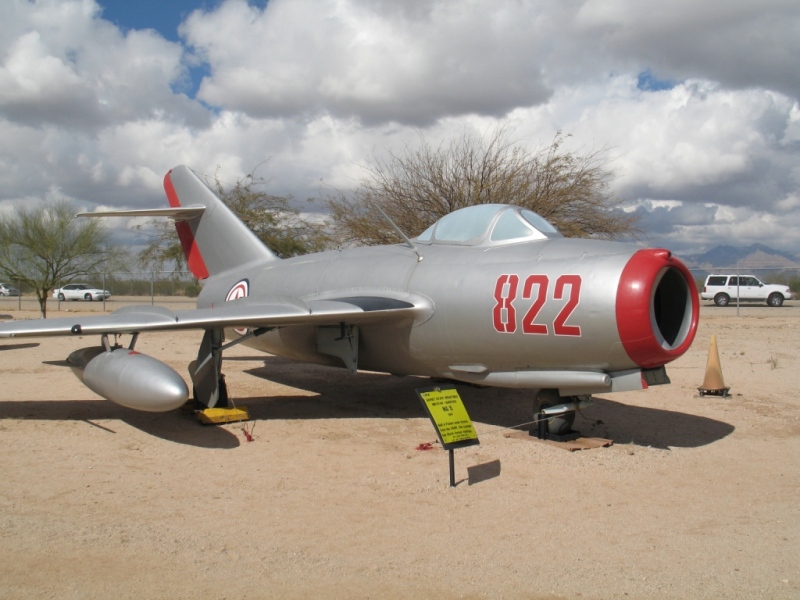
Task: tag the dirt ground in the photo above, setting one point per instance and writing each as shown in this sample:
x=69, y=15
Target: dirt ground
x=696, y=498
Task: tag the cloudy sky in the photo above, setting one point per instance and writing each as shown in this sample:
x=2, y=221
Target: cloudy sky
x=695, y=100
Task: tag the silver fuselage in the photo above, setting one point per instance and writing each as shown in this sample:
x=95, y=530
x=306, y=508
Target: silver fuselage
x=460, y=333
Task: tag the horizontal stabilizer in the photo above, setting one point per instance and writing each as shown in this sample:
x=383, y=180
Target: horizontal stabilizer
x=180, y=213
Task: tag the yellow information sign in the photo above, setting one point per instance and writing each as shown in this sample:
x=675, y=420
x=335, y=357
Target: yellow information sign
x=449, y=416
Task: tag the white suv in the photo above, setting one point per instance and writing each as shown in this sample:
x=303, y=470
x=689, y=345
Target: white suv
x=724, y=288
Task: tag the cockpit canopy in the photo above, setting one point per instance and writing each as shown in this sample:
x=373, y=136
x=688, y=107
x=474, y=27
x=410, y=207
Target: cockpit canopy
x=488, y=224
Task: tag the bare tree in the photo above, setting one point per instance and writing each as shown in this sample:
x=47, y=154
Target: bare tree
x=44, y=246
x=281, y=227
x=418, y=187
x=163, y=248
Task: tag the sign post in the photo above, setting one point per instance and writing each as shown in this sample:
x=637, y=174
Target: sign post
x=450, y=420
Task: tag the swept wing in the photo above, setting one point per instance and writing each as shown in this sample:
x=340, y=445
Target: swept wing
x=276, y=311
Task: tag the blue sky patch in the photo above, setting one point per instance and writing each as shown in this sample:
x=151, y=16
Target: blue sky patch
x=648, y=82
x=164, y=17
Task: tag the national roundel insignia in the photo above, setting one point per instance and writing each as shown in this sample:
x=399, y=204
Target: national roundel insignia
x=240, y=290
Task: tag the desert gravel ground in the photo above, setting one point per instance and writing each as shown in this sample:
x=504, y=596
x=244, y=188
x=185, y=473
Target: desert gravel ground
x=696, y=498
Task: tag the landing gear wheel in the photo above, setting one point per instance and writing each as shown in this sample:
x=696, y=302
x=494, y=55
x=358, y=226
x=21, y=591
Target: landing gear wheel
x=223, y=401
x=560, y=424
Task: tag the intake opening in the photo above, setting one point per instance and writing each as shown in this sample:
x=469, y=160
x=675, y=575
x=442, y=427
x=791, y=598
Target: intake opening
x=671, y=307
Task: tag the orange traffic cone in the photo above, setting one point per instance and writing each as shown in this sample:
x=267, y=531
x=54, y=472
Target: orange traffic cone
x=713, y=383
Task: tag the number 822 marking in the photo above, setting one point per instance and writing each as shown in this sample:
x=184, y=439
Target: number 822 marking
x=504, y=314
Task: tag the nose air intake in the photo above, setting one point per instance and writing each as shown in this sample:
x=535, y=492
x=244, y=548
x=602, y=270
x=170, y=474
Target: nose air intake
x=657, y=308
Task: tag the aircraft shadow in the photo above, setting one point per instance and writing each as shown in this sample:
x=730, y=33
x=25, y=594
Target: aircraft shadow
x=650, y=427
x=171, y=426
x=340, y=395
x=18, y=346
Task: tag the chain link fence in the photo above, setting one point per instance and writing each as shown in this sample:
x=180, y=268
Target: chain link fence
x=126, y=288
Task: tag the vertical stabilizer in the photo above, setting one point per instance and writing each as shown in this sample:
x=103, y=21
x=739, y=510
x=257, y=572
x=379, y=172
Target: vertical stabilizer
x=216, y=240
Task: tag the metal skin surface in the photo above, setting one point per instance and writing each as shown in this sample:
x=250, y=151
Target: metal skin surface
x=130, y=379
x=514, y=305
x=458, y=338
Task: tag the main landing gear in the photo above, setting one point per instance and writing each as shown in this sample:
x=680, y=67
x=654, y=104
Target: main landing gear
x=211, y=399
x=555, y=415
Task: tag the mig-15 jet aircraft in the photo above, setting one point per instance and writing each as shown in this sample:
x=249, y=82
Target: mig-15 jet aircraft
x=490, y=295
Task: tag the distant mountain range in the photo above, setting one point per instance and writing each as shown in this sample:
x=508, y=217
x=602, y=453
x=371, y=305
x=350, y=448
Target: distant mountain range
x=754, y=257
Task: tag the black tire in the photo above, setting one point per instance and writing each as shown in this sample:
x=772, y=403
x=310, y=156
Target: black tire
x=61, y=298
x=561, y=424
x=775, y=299
x=722, y=299
x=87, y=297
